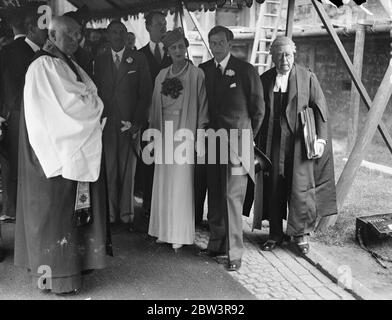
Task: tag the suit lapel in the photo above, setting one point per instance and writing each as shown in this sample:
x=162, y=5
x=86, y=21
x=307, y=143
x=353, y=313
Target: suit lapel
x=223, y=84
x=124, y=66
x=291, y=111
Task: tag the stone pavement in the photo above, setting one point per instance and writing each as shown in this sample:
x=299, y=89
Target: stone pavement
x=280, y=274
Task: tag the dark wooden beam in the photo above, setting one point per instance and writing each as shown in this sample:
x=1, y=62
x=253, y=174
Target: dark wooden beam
x=290, y=18
x=358, y=83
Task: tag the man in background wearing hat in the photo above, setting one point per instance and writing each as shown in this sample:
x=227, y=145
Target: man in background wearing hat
x=306, y=187
x=157, y=59
x=235, y=101
x=124, y=83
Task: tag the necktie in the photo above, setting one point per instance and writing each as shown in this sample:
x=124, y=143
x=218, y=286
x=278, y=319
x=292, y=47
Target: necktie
x=157, y=54
x=117, y=61
x=218, y=71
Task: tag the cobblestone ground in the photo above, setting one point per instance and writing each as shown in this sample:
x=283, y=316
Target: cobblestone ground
x=280, y=274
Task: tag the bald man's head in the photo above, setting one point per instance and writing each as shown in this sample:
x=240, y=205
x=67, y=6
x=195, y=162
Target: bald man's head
x=65, y=33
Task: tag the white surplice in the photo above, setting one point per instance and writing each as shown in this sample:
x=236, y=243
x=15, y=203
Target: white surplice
x=63, y=120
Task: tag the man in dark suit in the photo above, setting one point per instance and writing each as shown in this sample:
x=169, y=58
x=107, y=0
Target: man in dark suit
x=124, y=84
x=157, y=59
x=14, y=61
x=235, y=100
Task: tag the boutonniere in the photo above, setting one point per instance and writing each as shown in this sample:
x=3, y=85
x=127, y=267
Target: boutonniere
x=129, y=60
x=230, y=73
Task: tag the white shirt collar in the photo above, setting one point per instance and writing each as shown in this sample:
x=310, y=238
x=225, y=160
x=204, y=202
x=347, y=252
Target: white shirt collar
x=120, y=54
x=19, y=36
x=32, y=45
x=282, y=82
x=223, y=63
x=152, y=47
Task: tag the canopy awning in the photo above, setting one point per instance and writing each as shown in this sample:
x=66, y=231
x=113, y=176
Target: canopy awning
x=117, y=8
x=122, y=8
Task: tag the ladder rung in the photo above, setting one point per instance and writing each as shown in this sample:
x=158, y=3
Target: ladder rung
x=271, y=15
x=274, y=2
x=262, y=52
x=261, y=64
x=265, y=40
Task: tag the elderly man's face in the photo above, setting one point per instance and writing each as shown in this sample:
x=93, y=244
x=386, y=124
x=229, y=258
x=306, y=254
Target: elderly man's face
x=67, y=38
x=283, y=58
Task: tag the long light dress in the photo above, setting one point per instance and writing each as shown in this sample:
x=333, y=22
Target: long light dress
x=172, y=217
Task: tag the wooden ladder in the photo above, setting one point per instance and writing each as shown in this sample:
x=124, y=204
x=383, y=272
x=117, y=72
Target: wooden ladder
x=266, y=30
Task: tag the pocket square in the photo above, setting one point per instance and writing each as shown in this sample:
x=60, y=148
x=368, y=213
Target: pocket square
x=132, y=71
x=233, y=85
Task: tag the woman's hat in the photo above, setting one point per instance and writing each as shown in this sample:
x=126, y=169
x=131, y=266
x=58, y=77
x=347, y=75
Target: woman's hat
x=173, y=36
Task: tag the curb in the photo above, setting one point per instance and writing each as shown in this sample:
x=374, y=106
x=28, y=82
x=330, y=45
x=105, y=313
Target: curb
x=330, y=269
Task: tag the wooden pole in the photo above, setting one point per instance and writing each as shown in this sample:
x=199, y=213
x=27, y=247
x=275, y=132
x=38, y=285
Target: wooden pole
x=374, y=116
x=290, y=18
x=359, y=48
x=199, y=29
x=358, y=83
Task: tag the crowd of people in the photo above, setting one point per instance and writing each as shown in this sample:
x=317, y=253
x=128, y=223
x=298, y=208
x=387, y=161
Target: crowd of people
x=76, y=116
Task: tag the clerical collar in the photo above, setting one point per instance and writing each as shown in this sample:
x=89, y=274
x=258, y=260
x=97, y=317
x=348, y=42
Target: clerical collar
x=281, y=82
x=223, y=63
x=19, y=36
x=32, y=44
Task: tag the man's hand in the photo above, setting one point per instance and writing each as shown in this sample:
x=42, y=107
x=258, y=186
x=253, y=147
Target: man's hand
x=319, y=147
x=126, y=126
x=132, y=128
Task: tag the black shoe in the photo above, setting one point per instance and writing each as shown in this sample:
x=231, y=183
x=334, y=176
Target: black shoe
x=234, y=265
x=211, y=253
x=303, y=248
x=270, y=245
x=2, y=254
x=302, y=244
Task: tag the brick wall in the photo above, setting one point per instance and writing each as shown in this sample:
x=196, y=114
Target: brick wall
x=320, y=54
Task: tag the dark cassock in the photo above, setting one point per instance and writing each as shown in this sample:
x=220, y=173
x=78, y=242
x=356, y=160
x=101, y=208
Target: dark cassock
x=126, y=91
x=306, y=187
x=144, y=172
x=14, y=61
x=235, y=101
x=61, y=210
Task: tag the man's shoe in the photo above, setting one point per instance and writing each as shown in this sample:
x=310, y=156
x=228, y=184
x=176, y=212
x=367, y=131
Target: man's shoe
x=303, y=247
x=234, y=265
x=211, y=253
x=2, y=254
x=302, y=244
x=270, y=245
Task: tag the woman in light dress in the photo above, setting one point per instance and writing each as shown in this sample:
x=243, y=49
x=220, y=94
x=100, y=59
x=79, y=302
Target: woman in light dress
x=179, y=102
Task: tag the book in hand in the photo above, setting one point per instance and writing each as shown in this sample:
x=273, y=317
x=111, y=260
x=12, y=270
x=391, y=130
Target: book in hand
x=309, y=130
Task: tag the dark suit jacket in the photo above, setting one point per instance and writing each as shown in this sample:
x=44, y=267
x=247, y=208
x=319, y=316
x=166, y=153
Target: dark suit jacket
x=85, y=60
x=14, y=61
x=238, y=103
x=126, y=92
x=152, y=62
